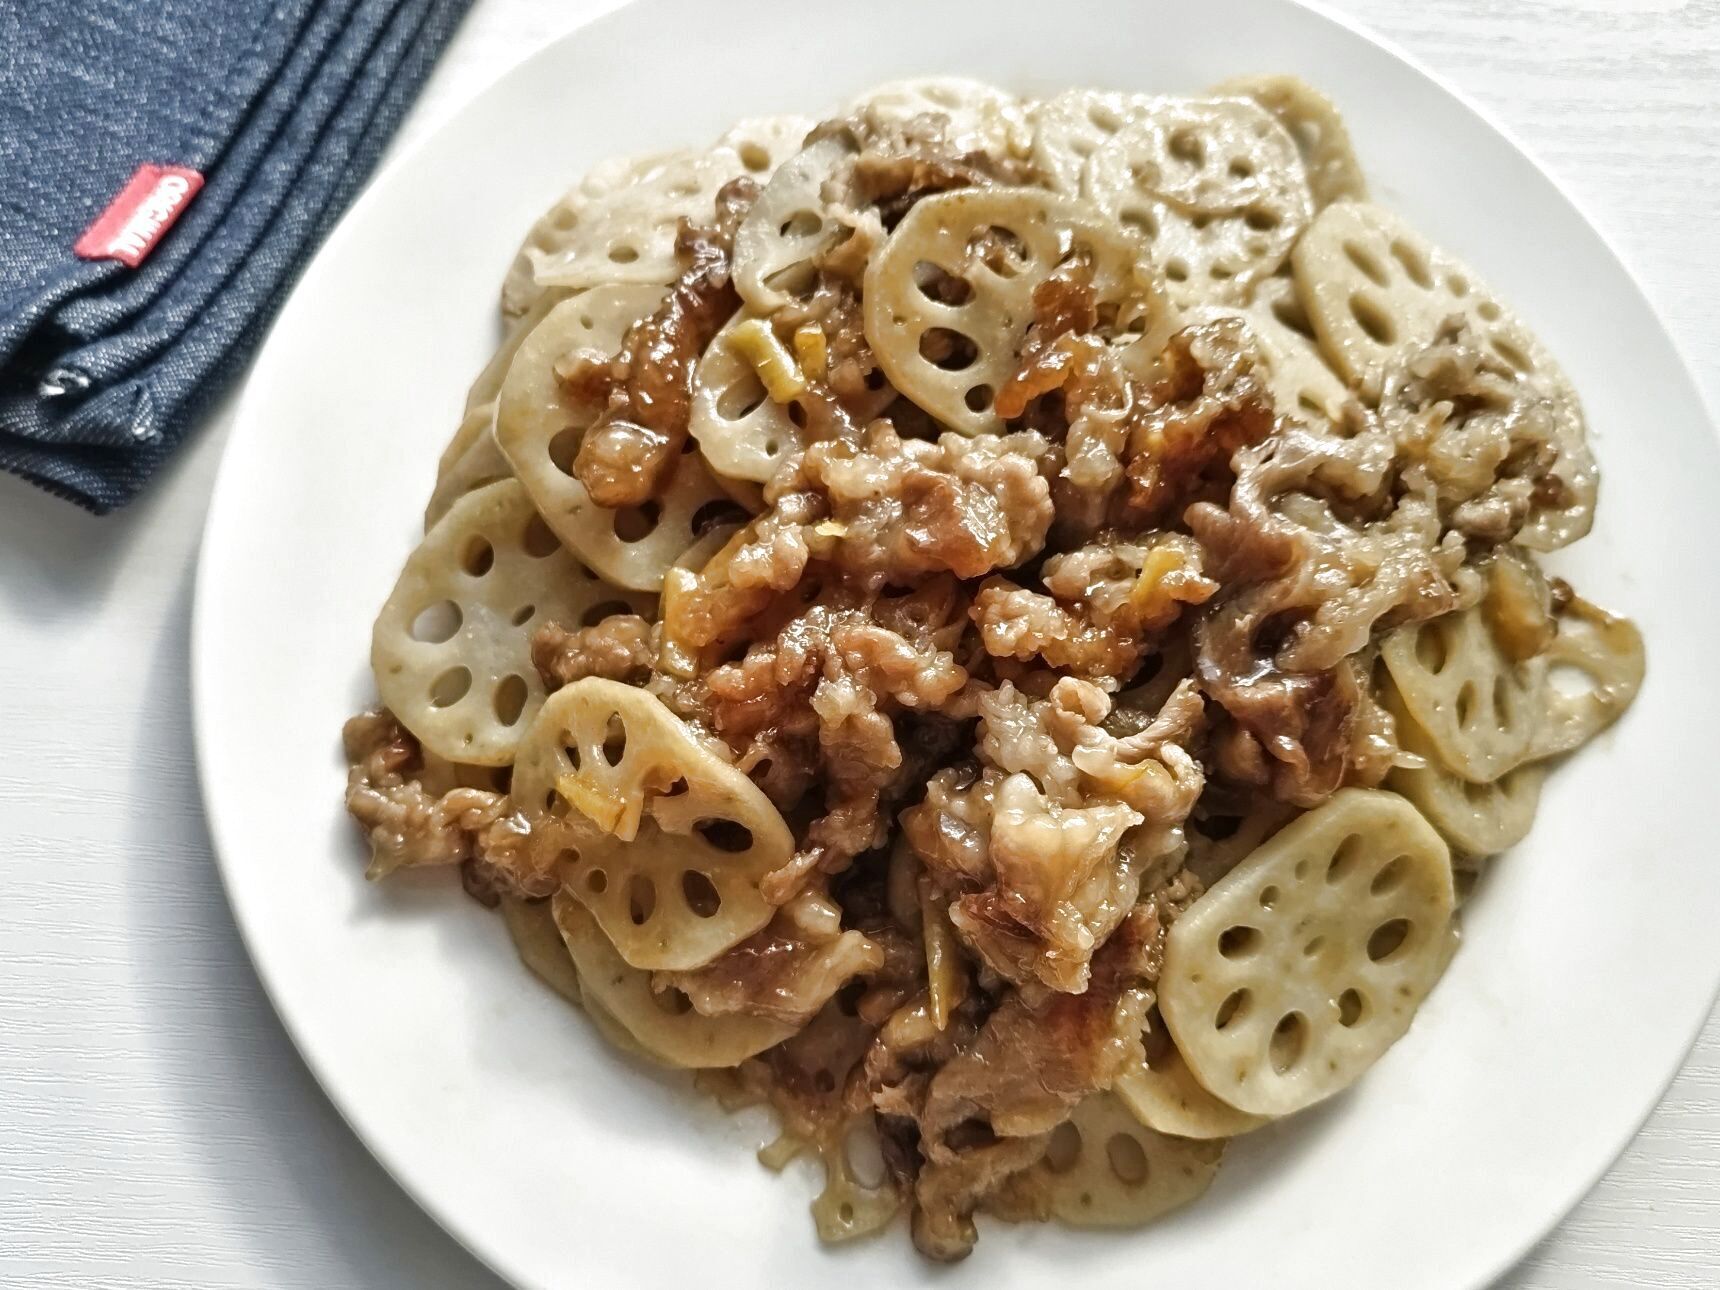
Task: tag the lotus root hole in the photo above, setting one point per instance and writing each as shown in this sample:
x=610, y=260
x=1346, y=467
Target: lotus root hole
x=1238, y=942
x=674, y=1002
x=1104, y=118
x=623, y=253
x=1457, y=284
x=1465, y=703
x=437, y=623
x=614, y=739
x=726, y=835
x=1489, y=311
x=1263, y=219
x=1176, y=270
x=597, y=882
x=939, y=286
x=1511, y=354
x=1156, y=1044
x=1349, y=1008
x=1143, y=222
x=1431, y=649
x=1128, y=1159
x=1569, y=681
x=1268, y=896
x=1344, y=858
x=1234, y=1006
x=754, y=157
x=450, y=687
x=863, y=1156
x=700, y=894
x=1388, y=939
x=1289, y=1038
x=1314, y=946
x=1372, y=319
x=641, y=899
x=1187, y=146
x=1390, y=876
x=1413, y=264
x=1241, y=168
x=1064, y=1149
x=1000, y=250
x=716, y=513
x=478, y=558
x=603, y=609
x=740, y=396
x=978, y=399
x=636, y=523
x=801, y=224
x=947, y=349
x=564, y=219
x=1365, y=260
x=509, y=700
x=523, y=615
x=563, y=448
x=1288, y=311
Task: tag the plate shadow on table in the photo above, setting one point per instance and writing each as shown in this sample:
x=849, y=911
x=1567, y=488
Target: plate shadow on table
x=258, y=1117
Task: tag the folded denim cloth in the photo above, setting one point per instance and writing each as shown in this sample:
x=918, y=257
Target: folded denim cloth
x=212, y=142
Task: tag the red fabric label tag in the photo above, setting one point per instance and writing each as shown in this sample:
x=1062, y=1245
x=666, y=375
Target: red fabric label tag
x=139, y=214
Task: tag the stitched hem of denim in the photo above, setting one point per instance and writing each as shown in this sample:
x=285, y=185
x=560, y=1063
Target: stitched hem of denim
x=327, y=128
x=105, y=476
x=229, y=171
x=69, y=279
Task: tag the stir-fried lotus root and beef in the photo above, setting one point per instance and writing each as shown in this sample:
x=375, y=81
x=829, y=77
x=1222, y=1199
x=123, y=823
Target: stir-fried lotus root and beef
x=1000, y=628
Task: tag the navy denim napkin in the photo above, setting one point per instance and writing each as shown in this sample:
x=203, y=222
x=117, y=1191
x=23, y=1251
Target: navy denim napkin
x=281, y=106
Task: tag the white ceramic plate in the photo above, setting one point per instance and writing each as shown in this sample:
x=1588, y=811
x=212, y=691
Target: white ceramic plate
x=1590, y=958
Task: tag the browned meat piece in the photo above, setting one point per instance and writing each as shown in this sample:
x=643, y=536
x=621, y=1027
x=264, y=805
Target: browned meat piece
x=410, y=824
x=1213, y=400
x=851, y=370
x=901, y=162
x=806, y=1076
x=407, y=825
x=1021, y=624
x=1480, y=438
x=627, y=456
x=1059, y=345
x=1041, y=854
x=1031, y=1062
x=829, y=685
x=1293, y=730
x=1132, y=585
x=903, y=508
x=618, y=648
x=1038, y=1055
x=947, y=1193
x=786, y=972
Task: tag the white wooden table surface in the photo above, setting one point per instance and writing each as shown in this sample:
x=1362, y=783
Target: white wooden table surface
x=156, y=1127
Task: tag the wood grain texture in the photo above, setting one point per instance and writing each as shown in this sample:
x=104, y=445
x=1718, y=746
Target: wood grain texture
x=157, y=1129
